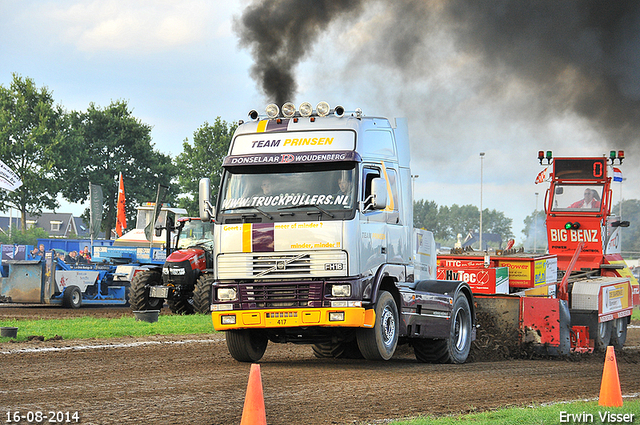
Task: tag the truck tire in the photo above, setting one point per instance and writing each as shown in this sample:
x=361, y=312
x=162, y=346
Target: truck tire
x=180, y=306
x=202, y=294
x=246, y=345
x=619, y=333
x=139, y=292
x=454, y=349
x=72, y=297
x=380, y=342
x=340, y=350
x=603, y=334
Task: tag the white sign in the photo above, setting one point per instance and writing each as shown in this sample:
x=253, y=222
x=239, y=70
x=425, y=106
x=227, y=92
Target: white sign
x=298, y=141
x=8, y=179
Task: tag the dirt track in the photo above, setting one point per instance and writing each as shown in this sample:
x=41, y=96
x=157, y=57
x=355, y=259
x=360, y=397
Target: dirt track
x=192, y=379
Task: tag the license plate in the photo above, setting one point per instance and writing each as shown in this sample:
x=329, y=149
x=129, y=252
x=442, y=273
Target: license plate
x=158, y=292
x=282, y=318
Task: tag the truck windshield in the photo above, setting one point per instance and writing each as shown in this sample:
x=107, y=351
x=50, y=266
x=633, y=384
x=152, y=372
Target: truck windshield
x=277, y=193
x=577, y=197
x=194, y=233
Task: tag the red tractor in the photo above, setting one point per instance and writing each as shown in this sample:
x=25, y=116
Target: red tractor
x=184, y=280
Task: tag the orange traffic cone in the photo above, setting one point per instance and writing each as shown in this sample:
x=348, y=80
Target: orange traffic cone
x=253, y=412
x=610, y=394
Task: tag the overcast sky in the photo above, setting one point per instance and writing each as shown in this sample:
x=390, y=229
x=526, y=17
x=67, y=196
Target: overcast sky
x=464, y=89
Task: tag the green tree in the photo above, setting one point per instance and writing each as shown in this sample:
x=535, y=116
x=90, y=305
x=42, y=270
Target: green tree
x=203, y=159
x=101, y=143
x=23, y=237
x=30, y=144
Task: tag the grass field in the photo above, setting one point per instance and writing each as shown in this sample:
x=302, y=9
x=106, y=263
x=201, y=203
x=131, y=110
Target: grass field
x=97, y=328
x=90, y=327
x=584, y=412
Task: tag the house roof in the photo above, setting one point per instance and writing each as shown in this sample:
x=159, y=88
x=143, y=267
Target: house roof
x=57, y=225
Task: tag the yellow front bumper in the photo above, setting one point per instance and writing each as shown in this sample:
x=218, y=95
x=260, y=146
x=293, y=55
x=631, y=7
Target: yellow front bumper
x=356, y=317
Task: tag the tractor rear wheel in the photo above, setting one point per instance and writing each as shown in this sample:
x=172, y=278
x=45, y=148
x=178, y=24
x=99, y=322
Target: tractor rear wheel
x=246, y=345
x=180, y=305
x=202, y=294
x=139, y=299
x=380, y=342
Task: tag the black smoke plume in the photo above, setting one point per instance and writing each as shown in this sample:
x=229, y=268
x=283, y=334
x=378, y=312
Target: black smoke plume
x=280, y=33
x=580, y=56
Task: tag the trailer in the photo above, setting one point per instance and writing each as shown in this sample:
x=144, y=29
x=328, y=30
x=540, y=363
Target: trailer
x=577, y=297
x=51, y=281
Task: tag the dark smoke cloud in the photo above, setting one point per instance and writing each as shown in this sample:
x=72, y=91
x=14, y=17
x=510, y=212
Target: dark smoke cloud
x=280, y=33
x=578, y=56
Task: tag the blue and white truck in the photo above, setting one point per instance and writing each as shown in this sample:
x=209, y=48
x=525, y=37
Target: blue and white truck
x=314, y=242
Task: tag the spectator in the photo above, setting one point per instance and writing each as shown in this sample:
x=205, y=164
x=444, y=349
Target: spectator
x=38, y=253
x=71, y=257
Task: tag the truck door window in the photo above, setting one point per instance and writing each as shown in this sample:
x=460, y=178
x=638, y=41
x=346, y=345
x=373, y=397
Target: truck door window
x=393, y=216
x=368, y=175
x=577, y=197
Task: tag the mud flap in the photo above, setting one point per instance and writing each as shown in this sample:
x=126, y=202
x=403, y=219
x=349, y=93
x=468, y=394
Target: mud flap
x=546, y=325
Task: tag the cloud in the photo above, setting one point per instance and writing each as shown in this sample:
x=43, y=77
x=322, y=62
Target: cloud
x=132, y=27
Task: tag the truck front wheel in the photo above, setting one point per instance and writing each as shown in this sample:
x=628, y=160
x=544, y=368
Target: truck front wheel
x=454, y=349
x=139, y=299
x=246, y=345
x=380, y=342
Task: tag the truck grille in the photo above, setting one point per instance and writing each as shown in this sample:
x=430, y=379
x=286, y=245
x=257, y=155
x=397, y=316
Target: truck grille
x=273, y=295
x=282, y=265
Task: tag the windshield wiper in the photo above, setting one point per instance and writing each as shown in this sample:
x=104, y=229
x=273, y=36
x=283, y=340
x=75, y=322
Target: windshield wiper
x=250, y=207
x=322, y=210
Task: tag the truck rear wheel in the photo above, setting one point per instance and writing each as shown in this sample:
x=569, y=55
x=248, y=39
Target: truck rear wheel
x=380, y=342
x=202, y=294
x=339, y=350
x=619, y=333
x=246, y=345
x=139, y=299
x=72, y=297
x=454, y=349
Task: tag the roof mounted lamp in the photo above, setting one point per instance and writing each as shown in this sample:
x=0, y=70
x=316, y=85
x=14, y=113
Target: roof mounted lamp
x=306, y=109
x=288, y=110
x=323, y=109
x=272, y=110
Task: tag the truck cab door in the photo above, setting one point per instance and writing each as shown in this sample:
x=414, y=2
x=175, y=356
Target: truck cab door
x=373, y=223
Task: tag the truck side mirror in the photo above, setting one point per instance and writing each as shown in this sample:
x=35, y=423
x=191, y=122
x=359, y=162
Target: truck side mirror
x=204, y=200
x=158, y=231
x=379, y=193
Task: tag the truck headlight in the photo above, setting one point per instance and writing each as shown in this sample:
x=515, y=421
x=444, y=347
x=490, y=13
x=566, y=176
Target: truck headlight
x=341, y=290
x=226, y=294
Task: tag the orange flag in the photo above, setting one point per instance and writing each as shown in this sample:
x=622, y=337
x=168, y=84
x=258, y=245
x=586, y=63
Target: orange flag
x=121, y=219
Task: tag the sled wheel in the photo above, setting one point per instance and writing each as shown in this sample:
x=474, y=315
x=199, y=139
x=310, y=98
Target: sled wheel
x=72, y=297
x=619, y=333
